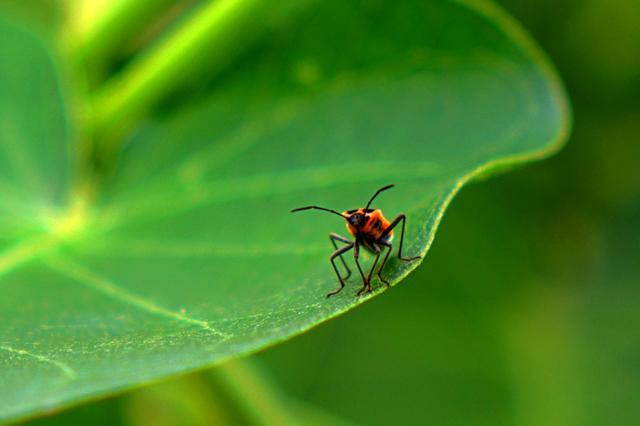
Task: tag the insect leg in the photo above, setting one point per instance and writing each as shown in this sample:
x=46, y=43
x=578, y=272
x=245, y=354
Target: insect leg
x=373, y=267
x=335, y=254
x=401, y=218
x=384, y=261
x=333, y=237
x=356, y=255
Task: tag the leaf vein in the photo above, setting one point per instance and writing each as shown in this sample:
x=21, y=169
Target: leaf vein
x=102, y=284
x=260, y=185
x=24, y=251
x=149, y=247
x=66, y=369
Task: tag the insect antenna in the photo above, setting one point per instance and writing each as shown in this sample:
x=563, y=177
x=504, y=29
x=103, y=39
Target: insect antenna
x=317, y=208
x=384, y=188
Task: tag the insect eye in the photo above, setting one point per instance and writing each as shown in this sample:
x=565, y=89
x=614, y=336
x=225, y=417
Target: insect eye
x=354, y=219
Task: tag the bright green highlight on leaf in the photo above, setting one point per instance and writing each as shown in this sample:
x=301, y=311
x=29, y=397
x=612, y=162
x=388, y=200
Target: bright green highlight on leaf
x=187, y=255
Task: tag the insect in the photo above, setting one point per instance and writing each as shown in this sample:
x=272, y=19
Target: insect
x=373, y=232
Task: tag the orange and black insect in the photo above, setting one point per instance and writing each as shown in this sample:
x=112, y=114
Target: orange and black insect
x=372, y=232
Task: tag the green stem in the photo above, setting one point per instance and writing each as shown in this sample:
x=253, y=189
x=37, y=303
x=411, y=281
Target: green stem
x=118, y=23
x=260, y=401
x=207, y=41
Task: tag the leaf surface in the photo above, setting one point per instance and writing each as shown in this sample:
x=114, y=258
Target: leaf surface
x=189, y=256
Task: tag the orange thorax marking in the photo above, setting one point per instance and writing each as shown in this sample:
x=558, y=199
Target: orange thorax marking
x=374, y=226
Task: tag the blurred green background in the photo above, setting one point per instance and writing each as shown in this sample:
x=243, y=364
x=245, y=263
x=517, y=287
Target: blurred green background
x=527, y=309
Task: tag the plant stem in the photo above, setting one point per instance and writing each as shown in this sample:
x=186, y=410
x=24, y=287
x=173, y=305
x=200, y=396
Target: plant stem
x=114, y=25
x=259, y=400
x=207, y=41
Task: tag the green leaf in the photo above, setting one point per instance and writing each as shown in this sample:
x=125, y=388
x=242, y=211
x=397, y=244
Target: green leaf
x=187, y=255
